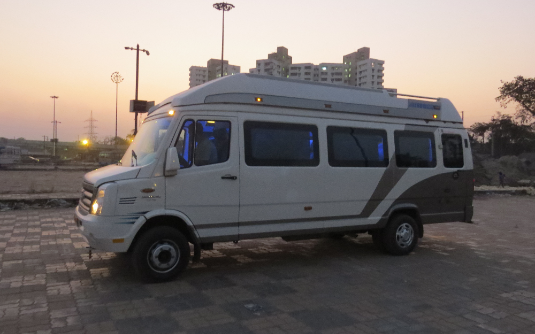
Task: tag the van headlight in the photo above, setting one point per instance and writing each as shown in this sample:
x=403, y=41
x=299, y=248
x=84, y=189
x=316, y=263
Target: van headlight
x=98, y=202
x=104, y=201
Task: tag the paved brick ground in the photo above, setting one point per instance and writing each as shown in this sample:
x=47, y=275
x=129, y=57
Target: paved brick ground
x=461, y=279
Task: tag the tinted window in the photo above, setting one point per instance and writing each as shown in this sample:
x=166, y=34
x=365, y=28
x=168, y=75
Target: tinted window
x=212, y=142
x=351, y=147
x=415, y=149
x=280, y=144
x=452, y=151
x=184, y=145
x=205, y=142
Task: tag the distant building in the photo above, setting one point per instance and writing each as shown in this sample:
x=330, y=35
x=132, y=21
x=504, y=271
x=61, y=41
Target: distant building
x=357, y=69
x=351, y=61
x=227, y=70
x=276, y=65
x=370, y=73
x=199, y=74
x=324, y=72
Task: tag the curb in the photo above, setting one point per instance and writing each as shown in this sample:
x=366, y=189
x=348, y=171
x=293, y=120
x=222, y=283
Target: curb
x=37, y=203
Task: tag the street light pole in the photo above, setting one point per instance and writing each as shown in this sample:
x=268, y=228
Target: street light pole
x=225, y=7
x=117, y=79
x=54, y=126
x=137, y=75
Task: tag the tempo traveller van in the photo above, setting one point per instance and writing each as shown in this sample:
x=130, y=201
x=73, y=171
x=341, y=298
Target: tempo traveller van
x=248, y=156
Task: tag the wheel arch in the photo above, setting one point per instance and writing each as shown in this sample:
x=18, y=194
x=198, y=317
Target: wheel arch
x=410, y=210
x=168, y=218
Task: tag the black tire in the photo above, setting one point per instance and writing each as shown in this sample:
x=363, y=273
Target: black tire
x=400, y=236
x=160, y=254
x=377, y=237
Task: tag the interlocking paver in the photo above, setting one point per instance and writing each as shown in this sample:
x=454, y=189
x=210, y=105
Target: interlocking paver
x=462, y=278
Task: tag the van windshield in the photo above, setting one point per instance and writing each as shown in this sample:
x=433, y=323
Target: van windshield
x=143, y=149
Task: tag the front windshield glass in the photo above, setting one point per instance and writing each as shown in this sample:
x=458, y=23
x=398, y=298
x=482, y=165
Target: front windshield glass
x=143, y=149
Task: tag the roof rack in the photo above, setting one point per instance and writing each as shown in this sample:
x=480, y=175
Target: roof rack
x=416, y=96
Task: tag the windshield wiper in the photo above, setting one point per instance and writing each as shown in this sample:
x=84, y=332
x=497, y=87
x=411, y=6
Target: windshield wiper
x=134, y=156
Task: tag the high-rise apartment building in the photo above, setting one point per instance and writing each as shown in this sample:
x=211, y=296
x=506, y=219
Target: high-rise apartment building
x=351, y=61
x=357, y=69
x=370, y=73
x=324, y=72
x=276, y=65
x=199, y=74
x=227, y=70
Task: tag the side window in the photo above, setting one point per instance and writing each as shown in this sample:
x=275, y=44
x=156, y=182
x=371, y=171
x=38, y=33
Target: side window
x=184, y=145
x=212, y=142
x=351, y=147
x=452, y=151
x=415, y=149
x=280, y=144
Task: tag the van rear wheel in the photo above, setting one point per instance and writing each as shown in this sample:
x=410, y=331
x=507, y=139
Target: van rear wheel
x=400, y=236
x=160, y=254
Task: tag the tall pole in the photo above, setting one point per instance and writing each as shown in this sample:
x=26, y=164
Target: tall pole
x=137, y=76
x=137, y=81
x=225, y=7
x=222, y=42
x=117, y=79
x=54, y=126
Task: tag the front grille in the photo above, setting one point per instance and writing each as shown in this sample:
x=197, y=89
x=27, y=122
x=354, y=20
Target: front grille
x=87, y=196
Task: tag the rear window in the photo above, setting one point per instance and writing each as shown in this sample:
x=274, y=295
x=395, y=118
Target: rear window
x=452, y=151
x=280, y=144
x=354, y=147
x=415, y=149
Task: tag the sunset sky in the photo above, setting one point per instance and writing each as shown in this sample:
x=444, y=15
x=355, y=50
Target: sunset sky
x=454, y=49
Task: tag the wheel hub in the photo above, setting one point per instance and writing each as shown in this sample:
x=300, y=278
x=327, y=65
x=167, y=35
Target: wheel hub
x=404, y=235
x=163, y=256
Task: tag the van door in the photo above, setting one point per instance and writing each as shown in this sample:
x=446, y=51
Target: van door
x=458, y=173
x=206, y=188
x=281, y=179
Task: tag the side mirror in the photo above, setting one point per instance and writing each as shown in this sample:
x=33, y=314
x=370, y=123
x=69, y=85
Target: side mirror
x=172, y=165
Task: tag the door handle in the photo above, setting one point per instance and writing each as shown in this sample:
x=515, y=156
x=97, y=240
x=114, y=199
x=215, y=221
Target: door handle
x=229, y=177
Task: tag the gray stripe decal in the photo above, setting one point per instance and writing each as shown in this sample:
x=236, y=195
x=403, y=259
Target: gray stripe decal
x=278, y=221
x=391, y=175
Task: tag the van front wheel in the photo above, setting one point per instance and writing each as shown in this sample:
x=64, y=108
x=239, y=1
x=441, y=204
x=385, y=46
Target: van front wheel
x=400, y=235
x=160, y=254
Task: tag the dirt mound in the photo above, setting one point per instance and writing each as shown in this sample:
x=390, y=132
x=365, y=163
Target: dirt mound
x=517, y=169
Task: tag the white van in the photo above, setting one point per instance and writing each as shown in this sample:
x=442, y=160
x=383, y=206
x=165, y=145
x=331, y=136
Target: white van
x=249, y=156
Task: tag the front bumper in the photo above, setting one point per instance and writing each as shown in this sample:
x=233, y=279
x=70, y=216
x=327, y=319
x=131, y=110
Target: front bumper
x=107, y=233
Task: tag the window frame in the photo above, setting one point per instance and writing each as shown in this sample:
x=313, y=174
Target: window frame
x=416, y=134
x=461, y=143
x=195, y=141
x=330, y=152
x=248, y=126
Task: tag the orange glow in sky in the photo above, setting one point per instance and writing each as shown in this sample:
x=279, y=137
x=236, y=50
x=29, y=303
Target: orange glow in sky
x=454, y=49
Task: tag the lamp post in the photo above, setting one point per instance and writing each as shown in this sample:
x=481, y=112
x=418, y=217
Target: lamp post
x=117, y=79
x=137, y=75
x=54, y=127
x=225, y=7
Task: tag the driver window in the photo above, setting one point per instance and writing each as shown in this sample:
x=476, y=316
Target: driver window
x=184, y=145
x=212, y=142
x=205, y=142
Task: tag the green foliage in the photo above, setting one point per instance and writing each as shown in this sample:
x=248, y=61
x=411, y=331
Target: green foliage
x=522, y=91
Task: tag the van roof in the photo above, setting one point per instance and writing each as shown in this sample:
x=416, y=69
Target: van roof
x=265, y=90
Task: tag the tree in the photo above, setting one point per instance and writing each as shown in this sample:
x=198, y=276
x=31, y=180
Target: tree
x=507, y=135
x=522, y=91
